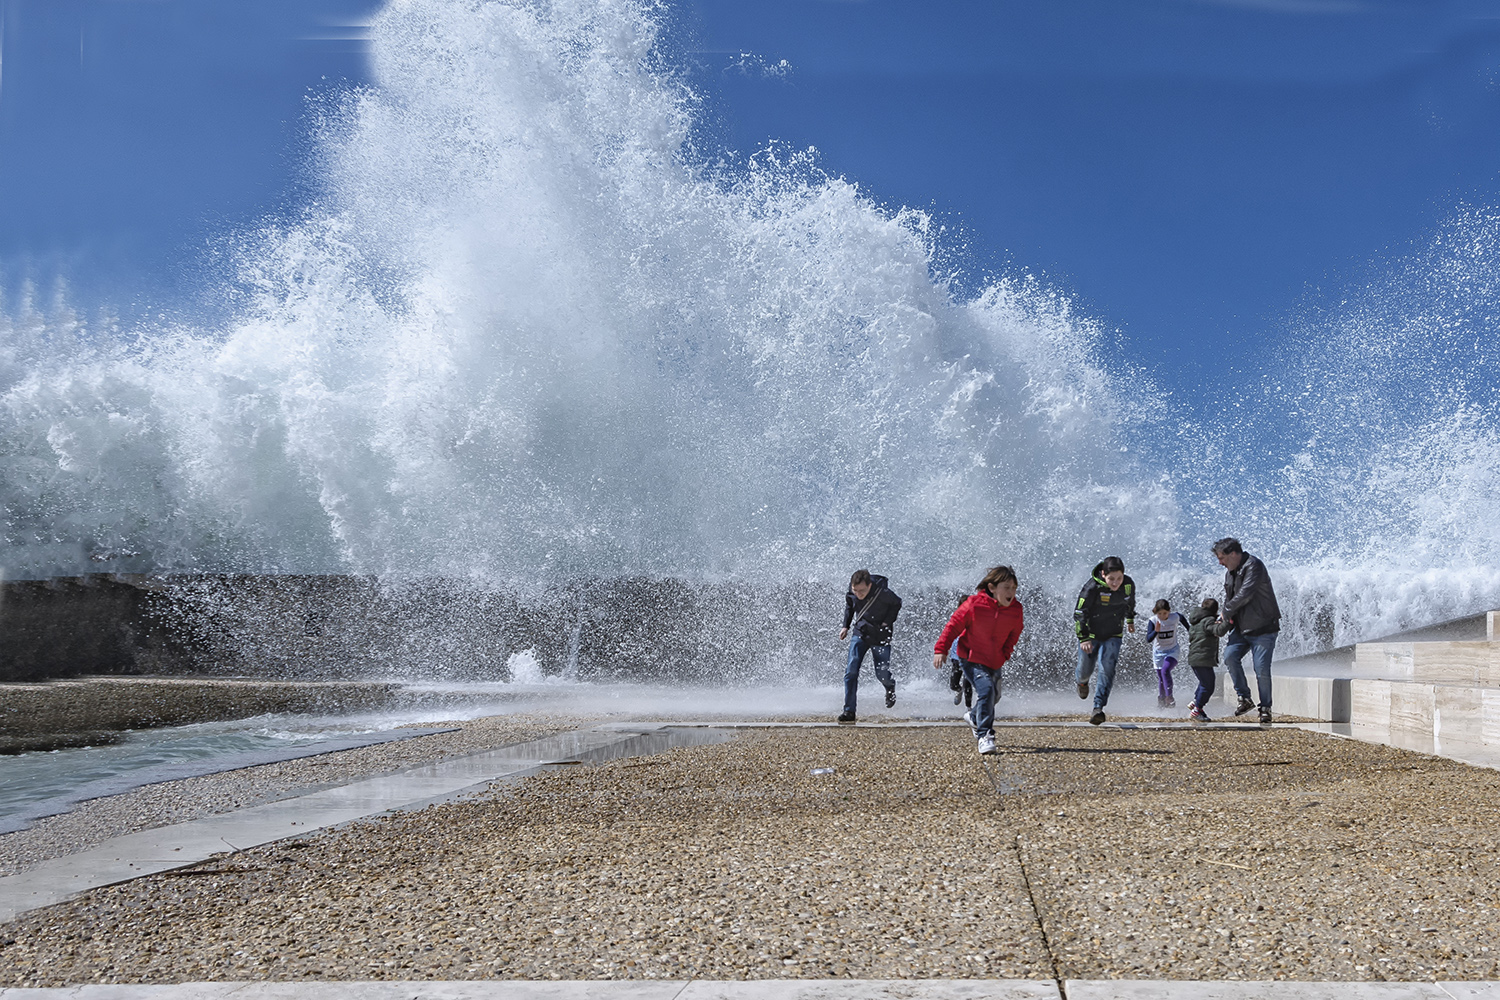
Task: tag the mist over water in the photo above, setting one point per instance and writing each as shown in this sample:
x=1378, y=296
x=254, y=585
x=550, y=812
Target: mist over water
x=528, y=336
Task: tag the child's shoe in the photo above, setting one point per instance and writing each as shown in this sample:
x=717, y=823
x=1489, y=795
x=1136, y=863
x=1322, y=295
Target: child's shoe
x=987, y=745
x=1170, y=703
x=1196, y=714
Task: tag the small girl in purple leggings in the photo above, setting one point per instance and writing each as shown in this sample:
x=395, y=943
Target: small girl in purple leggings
x=1161, y=632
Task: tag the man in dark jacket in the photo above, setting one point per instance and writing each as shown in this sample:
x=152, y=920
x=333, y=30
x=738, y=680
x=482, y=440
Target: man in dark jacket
x=1251, y=618
x=870, y=610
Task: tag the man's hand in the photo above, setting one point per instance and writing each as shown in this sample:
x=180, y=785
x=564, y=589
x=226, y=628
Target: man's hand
x=1131, y=625
x=843, y=633
x=937, y=661
x=1087, y=647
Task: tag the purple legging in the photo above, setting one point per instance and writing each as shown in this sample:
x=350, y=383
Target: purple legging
x=1164, y=664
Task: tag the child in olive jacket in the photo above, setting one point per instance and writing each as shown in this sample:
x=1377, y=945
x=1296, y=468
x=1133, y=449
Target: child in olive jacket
x=1203, y=654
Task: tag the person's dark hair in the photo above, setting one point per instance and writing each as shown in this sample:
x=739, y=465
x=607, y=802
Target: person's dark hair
x=1211, y=605
x=1111, y=564
x=860, y=576
x=1224, y=546
x=1161, y=605
x=995, y=576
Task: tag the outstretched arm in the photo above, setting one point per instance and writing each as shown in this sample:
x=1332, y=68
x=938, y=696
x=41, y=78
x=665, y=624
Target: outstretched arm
x=958, y=622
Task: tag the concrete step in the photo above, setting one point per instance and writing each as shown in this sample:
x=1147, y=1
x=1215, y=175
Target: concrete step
x=1444, y=713
x=1474, y=662
x=1326, y=699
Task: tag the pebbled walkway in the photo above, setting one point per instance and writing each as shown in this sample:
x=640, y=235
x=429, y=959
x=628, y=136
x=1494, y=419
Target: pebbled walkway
x=847, y=989
x=809, y=857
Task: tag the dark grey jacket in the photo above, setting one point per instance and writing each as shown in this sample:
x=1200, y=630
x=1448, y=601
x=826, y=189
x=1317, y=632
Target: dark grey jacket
x=875, y=616
x=1203, y=641
x=1249, y=601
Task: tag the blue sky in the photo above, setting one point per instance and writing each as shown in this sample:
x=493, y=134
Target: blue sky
x=1195, y=173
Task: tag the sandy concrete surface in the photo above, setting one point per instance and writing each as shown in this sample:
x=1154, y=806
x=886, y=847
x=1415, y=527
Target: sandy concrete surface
x=1147, y=854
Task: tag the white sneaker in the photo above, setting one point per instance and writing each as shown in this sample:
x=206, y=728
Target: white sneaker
x=987, y=745
x=969, y=718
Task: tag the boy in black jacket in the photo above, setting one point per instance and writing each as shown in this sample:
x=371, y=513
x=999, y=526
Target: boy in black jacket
x=1105, y=608
x=870, y=610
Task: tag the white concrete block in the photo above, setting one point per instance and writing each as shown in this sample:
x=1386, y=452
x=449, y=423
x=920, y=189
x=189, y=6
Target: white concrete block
x=514, y=989
x=1383, y=659
x=1489, y=733
x=1472, y=991
x=873, y=989
x=1475, y=662
x=1458, y=715
x=1370, y=702
x=1411, y=708
x=1144, y=989
x=572, y=989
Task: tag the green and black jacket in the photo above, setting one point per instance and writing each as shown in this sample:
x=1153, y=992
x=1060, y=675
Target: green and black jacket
x=1100, y=612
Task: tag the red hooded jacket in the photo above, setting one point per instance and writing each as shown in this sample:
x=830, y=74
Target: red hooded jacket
x=985, y=631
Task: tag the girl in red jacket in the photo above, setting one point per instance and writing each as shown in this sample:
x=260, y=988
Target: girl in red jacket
x=986, y=626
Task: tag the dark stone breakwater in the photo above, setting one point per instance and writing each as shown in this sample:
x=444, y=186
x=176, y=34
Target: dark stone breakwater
x=290, y=627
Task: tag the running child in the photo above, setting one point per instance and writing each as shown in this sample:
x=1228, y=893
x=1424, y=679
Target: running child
x=1203, y=655
x=986, y=626
x=1106, y=607
x=1166, y=653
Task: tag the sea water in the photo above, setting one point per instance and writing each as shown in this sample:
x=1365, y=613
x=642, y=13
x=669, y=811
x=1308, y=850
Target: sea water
x=45, y=783
x=526, y=339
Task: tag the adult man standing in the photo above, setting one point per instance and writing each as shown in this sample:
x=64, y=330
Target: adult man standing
x=870, y=609
x=1252, y=620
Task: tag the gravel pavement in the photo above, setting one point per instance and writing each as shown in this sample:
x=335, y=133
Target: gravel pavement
x=1152, y=854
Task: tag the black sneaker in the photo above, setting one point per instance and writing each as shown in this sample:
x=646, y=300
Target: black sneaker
x=1097, y=718
x=1083, y=689
x=1265, y=716
x=846, y=717
x=1244, y=706
x=890, y=697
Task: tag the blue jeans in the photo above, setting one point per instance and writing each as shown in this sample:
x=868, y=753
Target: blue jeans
x=1106, y=655
x=882, y=657
x=1206, y=684
x=1260, y=648
x=986, y=684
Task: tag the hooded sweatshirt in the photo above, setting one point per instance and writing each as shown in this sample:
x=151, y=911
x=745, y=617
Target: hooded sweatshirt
x=1203, y=639
x=986, y=632
x=1100, y=612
